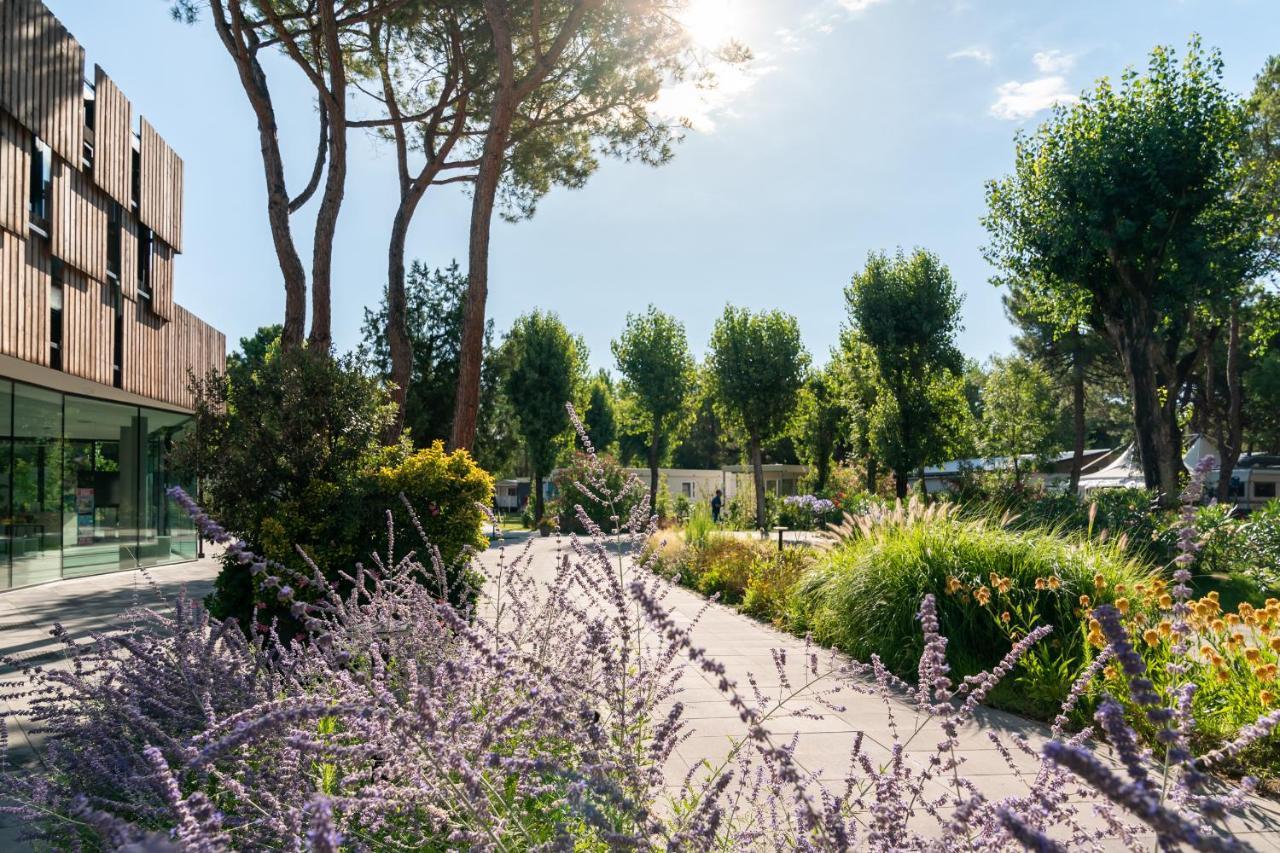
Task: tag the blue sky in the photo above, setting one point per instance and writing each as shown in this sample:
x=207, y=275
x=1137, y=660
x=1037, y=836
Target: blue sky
x=861, y=125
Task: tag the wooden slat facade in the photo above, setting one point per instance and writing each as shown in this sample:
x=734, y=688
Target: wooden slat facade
x=112, y=139
x=24, y=310
x=15, y=175
x=162, y=279
x=160, y=207
x=41, y=93
x=78, y=221
x=88, y=327
x=42, y=76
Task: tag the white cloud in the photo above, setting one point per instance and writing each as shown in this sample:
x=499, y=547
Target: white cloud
x=1054, y=61
x=701, y=105
x=856, y=6
x=1016, y=101
x=977, y=54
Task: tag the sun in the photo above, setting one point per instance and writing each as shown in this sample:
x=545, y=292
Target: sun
x=711, y=24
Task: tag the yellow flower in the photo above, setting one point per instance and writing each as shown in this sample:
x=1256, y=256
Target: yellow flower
x=1166, y=628
x=1096, y=639
x=1207, y=651
x=1041, y=583
x=1151, y=637
x=1099, y=581
x=1233, y=619
x=1166, y=601
x=1236, y=639
x=1084, y=601
x=1266, y=672
x=994, y=578
x=1004, y=584
x=954, y=585
x=982, y=595
x=1122, y=604
x=1252, y=655
x=1218, y=625
x=1245, y=608
x=1110, y=672
x=1275, y=644
x=1054, y=581
x=1267, y=697
x=1223, y=675
x=1005, y=617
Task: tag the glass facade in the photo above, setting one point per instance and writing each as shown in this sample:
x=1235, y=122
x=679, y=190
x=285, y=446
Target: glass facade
x=82, y=486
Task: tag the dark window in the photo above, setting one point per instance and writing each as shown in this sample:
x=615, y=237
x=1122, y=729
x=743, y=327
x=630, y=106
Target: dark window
x=145, y=238
x=90, y=120
x=55, y=316
x=1264, y=490
x=41, y=178
x=137, y=173
x=117, y=343
x=1236, y=488
x=115, y=239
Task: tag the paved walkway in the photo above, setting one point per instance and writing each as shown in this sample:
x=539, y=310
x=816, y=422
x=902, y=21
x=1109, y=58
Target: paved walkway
x=745, y=647
x=741, y=644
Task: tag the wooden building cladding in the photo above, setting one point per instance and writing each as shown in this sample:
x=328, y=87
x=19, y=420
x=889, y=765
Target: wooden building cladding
x=42, y=76
x=105, y=235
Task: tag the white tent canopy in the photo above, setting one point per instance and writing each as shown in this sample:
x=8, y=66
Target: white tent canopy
x=1123, y=472
x=1201, y=447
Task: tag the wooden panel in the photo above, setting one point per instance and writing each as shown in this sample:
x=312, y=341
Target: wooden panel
x=160, y=207
x=78, y=221
x=129, y=254
x=88, y=328
x=24, y=299
x=161, y=279
x=15, y=175
x=158, y=355
x=112, y=139
x=42, y=76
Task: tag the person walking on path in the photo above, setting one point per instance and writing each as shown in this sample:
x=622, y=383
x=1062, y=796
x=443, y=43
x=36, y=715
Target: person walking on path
x=716, y=503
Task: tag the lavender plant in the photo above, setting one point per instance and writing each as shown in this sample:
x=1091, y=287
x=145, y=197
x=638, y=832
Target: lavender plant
x=546, y=717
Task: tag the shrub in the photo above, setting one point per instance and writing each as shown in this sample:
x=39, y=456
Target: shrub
x=991, y=583
x=446, y=492
x=579, y=483
x=805, y=512
x=1259, y=543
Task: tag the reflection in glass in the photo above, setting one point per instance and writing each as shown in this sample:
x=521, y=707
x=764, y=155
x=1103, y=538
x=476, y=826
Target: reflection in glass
x=35, y=527
x=6, y=493
x=100, y=487
x=166, y=534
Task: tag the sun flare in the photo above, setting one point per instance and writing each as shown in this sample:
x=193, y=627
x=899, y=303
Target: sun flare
x=713, y=23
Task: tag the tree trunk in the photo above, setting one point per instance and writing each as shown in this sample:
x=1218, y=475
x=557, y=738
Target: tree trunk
x=254, y=81
x=1017, y=473
x=321, y=337
x=757, y=471
x=653, y=469
x=537, y=498
x=492, y=161
x=900, y=484
x=398, y=341
x=1156, y=433
x=873, y=475
x=1229, y=451
x=1077, y=416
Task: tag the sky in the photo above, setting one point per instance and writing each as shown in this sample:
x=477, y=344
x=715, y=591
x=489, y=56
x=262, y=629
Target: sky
x=860, y=125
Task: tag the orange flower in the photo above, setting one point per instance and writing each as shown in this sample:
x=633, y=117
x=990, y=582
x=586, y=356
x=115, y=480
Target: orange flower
x=1041, y=583
x=1054, y=581
x=1218, y=625
x=1005, y=617
x=1223, y=675
x=954, y=585
x=1275, y=644
x=1099, y=581
x=982, y=595
x=1084, y=600
x=1122, y=604
x=1166, y=601
x=1267, y=697
x=1166, y=628
x=1151, y=637
x=1252, y=655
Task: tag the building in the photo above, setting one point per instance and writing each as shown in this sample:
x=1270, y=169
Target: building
x=512, y=494
x=1054, y=472
x=94, y=352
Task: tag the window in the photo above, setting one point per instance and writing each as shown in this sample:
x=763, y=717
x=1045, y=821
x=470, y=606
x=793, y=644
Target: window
x=686, y=489
x=137, y=171
x=55, y=315
x=117, y=341
x=41, y=178
x=90, y=119
x=115, y=239
x=1264, y=490
x=145, y=238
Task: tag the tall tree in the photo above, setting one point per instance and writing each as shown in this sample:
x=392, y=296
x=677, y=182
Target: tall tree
x=657, y=371
x=757, y=365
x=907, y=311
x=1124, y=210
x=317, y=38
x=601, y=419
x=546, y=365
x=572, y=79
x=705, y=440
x=1019, y=412
x=820, y=425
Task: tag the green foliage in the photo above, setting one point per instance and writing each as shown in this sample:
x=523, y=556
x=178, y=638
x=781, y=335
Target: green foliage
x=433, y=317
x=601, y=420
x=1019, y=411
x=446, y=491
x=546, y=365
x=657, y=373
x=906, y=311
x=579, y=471
x=819, y=426
x=862, y=598
x=757, y=365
